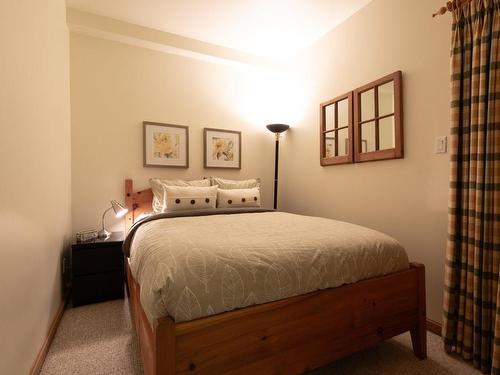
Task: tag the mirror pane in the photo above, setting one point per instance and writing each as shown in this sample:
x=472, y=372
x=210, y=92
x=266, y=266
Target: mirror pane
x=342, y=136
x=368, y=105
x=329, y=116
x=368, y=137
x=329, y=145
x=386, y=98
x=343, y=113
x=386, y=133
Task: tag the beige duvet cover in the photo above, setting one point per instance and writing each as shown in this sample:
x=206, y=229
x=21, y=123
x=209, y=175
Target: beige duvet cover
x=192, y=267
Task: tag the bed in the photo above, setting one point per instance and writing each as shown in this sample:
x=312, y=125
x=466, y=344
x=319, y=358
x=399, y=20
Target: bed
x=284, y=334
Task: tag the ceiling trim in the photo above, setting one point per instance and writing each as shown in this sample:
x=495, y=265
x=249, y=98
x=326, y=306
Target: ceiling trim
x=123, y=32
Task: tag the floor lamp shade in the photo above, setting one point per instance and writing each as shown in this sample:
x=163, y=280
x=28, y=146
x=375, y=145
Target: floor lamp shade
x=277, y=129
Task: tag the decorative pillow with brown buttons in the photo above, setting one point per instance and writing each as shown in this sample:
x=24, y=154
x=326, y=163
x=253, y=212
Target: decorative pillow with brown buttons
x=227, y=198
x=158, y=187
x=190, y=197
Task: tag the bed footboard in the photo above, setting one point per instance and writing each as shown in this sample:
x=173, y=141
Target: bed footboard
x=289, y=336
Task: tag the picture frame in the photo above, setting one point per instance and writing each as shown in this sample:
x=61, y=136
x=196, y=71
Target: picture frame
x=221, y=148
x=165, y=145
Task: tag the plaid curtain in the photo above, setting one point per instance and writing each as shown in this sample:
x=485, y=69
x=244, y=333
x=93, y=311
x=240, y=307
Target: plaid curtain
x=471, y=325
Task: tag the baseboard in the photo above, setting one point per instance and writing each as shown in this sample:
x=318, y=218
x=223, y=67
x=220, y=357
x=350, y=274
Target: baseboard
x=434, y=327
x=40, y=358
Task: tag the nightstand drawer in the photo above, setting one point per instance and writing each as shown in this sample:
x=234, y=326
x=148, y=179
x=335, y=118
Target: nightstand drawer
x=103, y=259
x=97, y=287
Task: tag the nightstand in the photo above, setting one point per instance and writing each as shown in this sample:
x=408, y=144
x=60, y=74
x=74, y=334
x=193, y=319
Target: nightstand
x=97, y=270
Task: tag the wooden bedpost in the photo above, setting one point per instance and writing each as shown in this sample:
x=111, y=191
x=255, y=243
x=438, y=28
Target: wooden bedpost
x=129, y=204
x=419, y=333
x=157, y=340
x=138, y=203
x=164, y=357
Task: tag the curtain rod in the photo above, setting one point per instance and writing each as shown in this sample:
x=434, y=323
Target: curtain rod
x=449, y=7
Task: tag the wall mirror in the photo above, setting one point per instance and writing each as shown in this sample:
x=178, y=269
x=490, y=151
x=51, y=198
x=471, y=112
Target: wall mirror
x=336, y=130
x=378, y=119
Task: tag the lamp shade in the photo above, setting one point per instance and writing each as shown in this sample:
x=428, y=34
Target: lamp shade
x=278, y=128
x=118, y=208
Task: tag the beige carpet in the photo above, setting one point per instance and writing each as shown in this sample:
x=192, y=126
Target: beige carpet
x=99, y=339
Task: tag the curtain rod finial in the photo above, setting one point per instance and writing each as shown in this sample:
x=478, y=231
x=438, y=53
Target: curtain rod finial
x=440, y=12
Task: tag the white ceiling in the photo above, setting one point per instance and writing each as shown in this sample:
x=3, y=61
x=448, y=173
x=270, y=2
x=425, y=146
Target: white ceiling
x=262, y=27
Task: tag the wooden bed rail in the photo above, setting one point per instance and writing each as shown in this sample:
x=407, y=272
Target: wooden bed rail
x=289, y=336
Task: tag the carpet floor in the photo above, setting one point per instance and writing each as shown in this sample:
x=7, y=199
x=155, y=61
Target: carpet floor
x=100, y=339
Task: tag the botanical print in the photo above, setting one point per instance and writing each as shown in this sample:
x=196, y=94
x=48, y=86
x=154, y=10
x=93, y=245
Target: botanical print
x=166, y=145
x=222, y=149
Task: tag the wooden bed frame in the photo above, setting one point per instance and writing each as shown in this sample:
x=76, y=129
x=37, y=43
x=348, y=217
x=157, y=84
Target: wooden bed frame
x=289, y=336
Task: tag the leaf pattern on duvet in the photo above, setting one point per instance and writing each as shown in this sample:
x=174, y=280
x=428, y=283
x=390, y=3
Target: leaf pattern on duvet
x=188, y=307
x=313, y=280
x=161, y=283
x=321, y=261
x=301, y=260
x=232, y=288
x=161, y=275
x=278, y=283
x=202, y=265
x=250, y=300
x=250, y=260
x=309, y=253
x=210, y=310
x=169, y=258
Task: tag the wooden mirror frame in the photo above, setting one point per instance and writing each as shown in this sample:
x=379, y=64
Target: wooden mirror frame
x=344, y=159
x=392, y=153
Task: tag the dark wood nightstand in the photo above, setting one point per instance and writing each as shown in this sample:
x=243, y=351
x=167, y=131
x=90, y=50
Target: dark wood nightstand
x=97, y=270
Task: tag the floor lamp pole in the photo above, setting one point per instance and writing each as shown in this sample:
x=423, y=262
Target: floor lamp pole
x=276, y=164
x=277, y=129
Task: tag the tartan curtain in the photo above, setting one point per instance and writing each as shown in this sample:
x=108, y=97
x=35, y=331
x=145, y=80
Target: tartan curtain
x=471, y=325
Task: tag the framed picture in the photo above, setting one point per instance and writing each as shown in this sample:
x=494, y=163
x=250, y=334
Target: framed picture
x=165, y=145
x=222, y=148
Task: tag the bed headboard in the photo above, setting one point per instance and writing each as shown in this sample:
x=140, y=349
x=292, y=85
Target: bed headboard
x=137, y=203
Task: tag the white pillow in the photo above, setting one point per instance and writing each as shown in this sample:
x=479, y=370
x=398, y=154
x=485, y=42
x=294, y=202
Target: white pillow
x=190, y=197
x=235, y=184
x=238, y=197
x=159, y=194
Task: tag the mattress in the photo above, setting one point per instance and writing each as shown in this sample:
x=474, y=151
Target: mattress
x=193, y=267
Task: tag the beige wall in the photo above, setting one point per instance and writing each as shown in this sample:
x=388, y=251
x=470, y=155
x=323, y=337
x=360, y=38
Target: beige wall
x=35, y=177
x=405, y=198
x=114, y=87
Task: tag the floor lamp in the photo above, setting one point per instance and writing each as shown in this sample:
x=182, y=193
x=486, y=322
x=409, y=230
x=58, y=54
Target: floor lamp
x=276, y=129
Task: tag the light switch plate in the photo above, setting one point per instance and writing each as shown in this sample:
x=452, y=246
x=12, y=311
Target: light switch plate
x=440, y=145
